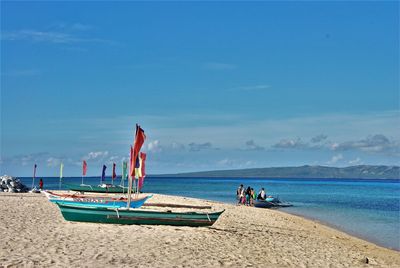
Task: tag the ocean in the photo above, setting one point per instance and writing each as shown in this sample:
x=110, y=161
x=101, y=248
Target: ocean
x=369, y=209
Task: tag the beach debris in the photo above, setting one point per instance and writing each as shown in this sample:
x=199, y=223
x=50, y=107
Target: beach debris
x=12, y=185
x=366, y=260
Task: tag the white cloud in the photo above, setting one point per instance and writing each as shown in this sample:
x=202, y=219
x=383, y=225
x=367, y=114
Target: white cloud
x=252, y=146
x=372, y=144
x=154, y=146
x=356, y=161
x=96, y=155
x=53, y=162
x=290, y=144
x=335, y=159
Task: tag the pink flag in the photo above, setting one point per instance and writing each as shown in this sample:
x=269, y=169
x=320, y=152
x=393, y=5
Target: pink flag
x=84, y=168
x=142, y=169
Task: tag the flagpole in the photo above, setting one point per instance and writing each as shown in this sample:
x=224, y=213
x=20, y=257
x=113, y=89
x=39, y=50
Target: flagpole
x=61, y=175
x=33, y=178
x=129, y=192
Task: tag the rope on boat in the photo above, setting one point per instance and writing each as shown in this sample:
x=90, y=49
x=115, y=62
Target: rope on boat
x=208, y=217
x=116, y=210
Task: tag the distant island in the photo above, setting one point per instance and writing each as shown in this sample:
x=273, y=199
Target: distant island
x=302, y=172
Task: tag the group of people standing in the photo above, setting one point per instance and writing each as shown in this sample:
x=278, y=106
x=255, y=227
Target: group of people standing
x=247, y=196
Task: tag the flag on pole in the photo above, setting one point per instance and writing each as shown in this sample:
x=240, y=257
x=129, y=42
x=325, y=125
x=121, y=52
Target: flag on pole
x=124, y=167
x=61, y=170
x=34, y=171
x=142, y=172
x=84, y=168
x=103, y=174
x=140, y=137
x=131, y=167
x=113, y=172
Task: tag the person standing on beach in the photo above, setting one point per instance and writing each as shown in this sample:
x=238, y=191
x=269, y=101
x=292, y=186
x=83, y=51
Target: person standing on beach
x=243, y=196
x=248, y=196
x=41, y=184
x=238, y=193
x=252, y=197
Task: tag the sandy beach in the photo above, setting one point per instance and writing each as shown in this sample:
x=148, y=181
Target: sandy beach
x=34, y=234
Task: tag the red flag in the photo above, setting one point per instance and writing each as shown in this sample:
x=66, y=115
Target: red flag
x=142, y=169
x=139, y=140
x=113, y=172
x=131, y=168
x=84, y=168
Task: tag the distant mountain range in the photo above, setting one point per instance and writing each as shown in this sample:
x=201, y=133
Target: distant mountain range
x=305, y=172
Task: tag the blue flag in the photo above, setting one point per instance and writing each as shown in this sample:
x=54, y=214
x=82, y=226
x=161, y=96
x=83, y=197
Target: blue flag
x=103, y=175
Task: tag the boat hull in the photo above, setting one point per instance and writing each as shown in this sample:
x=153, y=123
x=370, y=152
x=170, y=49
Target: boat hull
x=93, y=201
x=271, y=202
x=135, y=203
x=136, y=216
x=115, y=189
x=263, y=204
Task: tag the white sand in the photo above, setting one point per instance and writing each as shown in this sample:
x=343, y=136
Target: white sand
x=33, y=233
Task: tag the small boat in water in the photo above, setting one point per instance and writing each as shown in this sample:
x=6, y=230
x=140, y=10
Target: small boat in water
x=95, y=201
x=72, y=212
x=271, y=202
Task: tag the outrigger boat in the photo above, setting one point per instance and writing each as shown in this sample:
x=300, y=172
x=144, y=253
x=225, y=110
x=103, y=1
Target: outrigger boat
x=82, y=212
x=97, y=214
x=95, y=201
x=102, y=188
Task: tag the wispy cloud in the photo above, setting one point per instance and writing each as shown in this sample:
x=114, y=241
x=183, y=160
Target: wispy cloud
x=372, y=144
x=290, y=144
x=251, y=88
x=319, y=138
x=252, y=146
x=53, y=37
x=219, y=66
x=22, y=73
x=195, y=147
x=335, y=159
x=356, y=161
x=96, y=155
x=234, y=163
x=73, y=26
x=53, y=161
x=154, y=146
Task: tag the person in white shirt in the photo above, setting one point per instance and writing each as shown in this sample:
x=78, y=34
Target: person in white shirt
x=261, y=194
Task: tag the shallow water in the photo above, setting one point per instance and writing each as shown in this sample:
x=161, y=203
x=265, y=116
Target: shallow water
x=369, y=209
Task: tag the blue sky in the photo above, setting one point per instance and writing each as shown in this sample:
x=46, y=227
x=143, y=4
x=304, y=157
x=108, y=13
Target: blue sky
x=215, y=85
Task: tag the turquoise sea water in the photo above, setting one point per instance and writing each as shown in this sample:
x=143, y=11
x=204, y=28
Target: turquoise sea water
x=369, y=209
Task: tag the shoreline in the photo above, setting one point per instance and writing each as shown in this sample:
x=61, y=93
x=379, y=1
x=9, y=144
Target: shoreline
x=35, y=234
x=337, y=228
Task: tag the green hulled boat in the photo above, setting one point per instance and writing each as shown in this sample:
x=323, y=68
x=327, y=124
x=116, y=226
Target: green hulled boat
x=103, y=188
x=137, y=216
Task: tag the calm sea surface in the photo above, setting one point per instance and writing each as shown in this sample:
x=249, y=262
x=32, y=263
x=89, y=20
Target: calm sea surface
x=369, y=209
